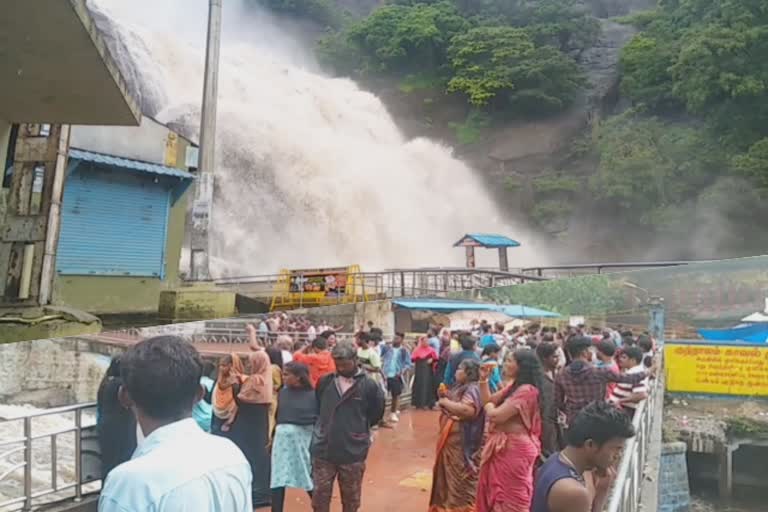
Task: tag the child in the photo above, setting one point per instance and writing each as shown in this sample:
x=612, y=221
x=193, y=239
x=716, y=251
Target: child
x=491, y=354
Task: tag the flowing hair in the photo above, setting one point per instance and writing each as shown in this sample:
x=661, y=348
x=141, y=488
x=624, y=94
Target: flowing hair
x=301, y=372
x=529, y=371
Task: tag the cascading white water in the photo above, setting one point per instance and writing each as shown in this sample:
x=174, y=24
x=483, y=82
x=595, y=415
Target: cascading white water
x=311, y=171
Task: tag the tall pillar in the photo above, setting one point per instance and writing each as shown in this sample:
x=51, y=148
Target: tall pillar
x=503, y=262
x=657, y=319
x=470, y=257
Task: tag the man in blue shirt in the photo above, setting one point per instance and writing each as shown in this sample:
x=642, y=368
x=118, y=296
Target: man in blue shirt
x=395, y=360
x=467, y=343
x=177, y=466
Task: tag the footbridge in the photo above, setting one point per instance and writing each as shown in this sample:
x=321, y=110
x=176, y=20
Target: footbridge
x=275, y=290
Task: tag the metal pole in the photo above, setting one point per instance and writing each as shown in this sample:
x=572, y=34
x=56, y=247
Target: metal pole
x=202, y=208
x=78, y=455
x=27, y=463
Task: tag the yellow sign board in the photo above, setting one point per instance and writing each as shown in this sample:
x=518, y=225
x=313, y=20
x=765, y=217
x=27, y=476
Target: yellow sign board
x=740, y=370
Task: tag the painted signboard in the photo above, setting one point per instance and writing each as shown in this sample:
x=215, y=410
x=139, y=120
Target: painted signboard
x=722, y=369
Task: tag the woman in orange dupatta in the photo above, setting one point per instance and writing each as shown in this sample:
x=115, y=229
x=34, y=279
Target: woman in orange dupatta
x=454, y=477
x=250, y=431
x=223, y=398
x=513, y=441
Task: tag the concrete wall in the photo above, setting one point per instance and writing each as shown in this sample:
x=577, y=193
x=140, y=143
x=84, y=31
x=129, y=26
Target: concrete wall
x=147, y=142
x=352, y=316
x=49, y=373
x=117, y=294
x=674, y=491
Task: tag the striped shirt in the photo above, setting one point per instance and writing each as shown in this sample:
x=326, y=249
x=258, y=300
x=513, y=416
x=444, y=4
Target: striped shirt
x=622, y=390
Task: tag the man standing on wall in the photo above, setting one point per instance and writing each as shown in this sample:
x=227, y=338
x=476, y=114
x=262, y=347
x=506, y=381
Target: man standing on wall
x=350, y=404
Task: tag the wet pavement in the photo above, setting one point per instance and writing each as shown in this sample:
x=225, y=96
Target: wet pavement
x=398, y=475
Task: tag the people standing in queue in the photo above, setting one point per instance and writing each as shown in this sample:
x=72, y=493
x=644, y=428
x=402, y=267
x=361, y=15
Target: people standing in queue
x=513, y=443
x=250, y=431
x=424, y=359
x=224, y=395
x=580, y=383
x=595, y=442
x=161, y=383
x=115, y=423
x=395, y=360
x=296, y=416
x=455, y=473
x=349, y=404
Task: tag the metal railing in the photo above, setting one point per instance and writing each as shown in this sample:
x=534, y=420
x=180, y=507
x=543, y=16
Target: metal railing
x=627, y=488
x=86, y=456
x=388, y=284
x=580, y=269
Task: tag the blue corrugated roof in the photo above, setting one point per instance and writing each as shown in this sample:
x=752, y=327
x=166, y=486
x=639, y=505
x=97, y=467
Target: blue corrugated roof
x=133, y=165
x=489, y=240
x=513, y=310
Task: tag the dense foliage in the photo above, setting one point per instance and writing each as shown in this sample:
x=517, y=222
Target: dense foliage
x=511, y=56
x=707, y=59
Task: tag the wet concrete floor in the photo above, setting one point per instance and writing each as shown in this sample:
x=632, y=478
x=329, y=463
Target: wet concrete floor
x=398, y=475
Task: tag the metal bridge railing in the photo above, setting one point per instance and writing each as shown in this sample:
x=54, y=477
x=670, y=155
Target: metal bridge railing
x=627, y=489
x=86, y=453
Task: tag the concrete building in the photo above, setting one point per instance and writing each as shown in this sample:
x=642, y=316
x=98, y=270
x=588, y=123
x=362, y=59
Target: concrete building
x=55, y=71
x=123, y=213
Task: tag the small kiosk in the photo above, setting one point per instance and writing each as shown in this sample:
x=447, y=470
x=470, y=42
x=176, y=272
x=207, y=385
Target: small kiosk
x=487, y=241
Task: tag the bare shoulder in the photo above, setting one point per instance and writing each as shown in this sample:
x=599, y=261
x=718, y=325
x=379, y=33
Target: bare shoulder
x=569, y=495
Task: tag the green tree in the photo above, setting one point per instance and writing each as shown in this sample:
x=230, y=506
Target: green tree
x=502, y=66
x=754, y=163
x=645, y=65
x=324, y=12
x=405, y=38
x=648, y=166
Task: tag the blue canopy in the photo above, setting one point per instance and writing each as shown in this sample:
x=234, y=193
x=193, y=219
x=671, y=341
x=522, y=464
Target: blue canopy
x=512, y=310
x=489, y=241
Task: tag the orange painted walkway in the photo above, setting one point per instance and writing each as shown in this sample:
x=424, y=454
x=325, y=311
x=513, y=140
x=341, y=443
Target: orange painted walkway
x=399, y=470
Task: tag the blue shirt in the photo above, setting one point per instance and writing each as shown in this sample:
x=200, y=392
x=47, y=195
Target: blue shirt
x=180, y=467
x=395, y=360
x=434, y=342
x=486, y=340
x=494, y=380
x=202, y=410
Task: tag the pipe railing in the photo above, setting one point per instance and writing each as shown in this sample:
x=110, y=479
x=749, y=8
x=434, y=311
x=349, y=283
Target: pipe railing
x=627, y=488
x=82, y=431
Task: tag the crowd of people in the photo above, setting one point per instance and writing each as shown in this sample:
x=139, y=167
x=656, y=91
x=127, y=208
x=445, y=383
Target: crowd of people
x=530, y=419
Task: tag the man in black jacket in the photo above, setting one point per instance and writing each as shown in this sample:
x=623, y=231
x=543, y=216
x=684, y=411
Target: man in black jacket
x=349, y=405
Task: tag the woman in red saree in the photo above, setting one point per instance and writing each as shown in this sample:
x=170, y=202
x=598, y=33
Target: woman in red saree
x=454, y=477
x=513, y=441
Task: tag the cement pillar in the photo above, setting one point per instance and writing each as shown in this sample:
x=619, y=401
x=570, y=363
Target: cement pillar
x=503, y=261
x=725, y=482
x=470, y=256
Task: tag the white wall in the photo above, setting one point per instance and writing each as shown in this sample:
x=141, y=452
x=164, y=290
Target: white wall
x=145, y=142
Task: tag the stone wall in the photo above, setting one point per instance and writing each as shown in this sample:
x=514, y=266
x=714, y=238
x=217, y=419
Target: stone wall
x=674, y=491
x=49, y=373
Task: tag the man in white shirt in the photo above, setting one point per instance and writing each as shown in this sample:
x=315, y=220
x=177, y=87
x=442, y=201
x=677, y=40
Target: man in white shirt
x=177, y=466
x=629, y=396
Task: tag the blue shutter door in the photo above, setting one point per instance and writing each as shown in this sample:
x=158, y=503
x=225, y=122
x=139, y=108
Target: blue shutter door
x=113, y=224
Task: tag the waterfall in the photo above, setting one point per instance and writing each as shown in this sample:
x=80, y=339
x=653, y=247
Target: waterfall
x=311, y=171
